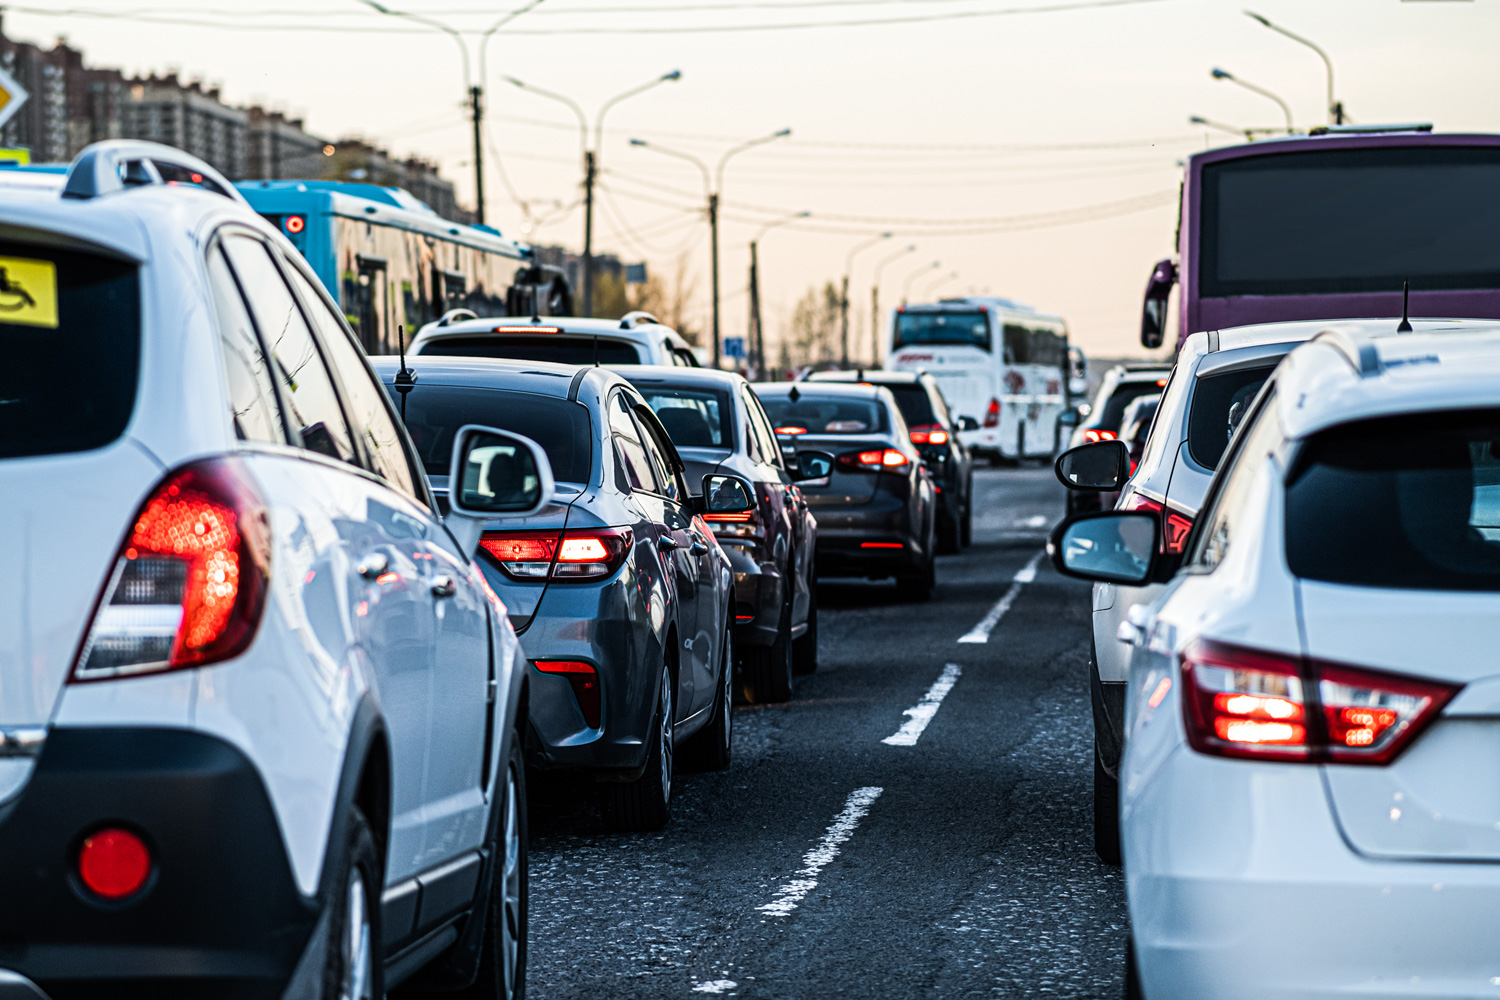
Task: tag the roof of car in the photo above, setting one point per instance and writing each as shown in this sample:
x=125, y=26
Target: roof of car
x=1359, y=370
x=679, y=376
x=820, y=389
x=874, y=376
x=640, y=333
x=541, y=377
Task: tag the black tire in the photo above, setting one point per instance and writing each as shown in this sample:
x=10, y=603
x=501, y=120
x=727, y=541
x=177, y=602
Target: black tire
x=917, y=586
x=767, y=670
x=710, y=747
x=966, y=526
x=645, y=804
x=352, y=967
x=950, y=535
x=805, y=649
x=1133, y=989
x=1106, y=813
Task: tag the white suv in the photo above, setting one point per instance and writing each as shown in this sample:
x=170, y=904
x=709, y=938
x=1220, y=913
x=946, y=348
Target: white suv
x=258, y=731
x=1309, y=802
x=636, y=339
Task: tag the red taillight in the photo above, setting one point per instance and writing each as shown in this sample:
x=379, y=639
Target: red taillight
x=1092, y=435
x=584, y=679
x=190, y=580
x=791, y=431
x=528, y=329
x=581, y=554
x=295, y=224
x=928, y=434
x=992, y=415
x=881, y=545
x=873, y=460
x=1241, y=702
x=114, y=863
x=738, y=517
x=1175, y=524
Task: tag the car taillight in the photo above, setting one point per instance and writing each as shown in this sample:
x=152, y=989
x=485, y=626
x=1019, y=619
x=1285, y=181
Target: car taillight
x=873, y=460
x=791, y=431
x=584, y=679
x=114, y=863
x=189, y=583
x=1247, y=703
x=928, y=434
x=1175, y=525
x=579, y=554
x=1092, y=435
x=992, y=415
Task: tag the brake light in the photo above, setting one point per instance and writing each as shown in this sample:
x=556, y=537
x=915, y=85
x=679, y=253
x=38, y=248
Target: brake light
x=528, y=329
x=992, y=414
x=928, y=434
x=873, y=460
x=295, y=224
x=190, y=580
x=1175, y=524
x=581, y=554
x=1092, y=435
x=584, y=679
x=114, y=863
x=1247, y=703
x=791, y=431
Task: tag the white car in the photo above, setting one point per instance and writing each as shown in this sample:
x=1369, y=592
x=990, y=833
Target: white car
x=258, y=731
x=636, y=339
x=1310, y=790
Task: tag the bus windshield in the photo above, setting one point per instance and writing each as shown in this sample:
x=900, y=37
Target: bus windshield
x=970, y=329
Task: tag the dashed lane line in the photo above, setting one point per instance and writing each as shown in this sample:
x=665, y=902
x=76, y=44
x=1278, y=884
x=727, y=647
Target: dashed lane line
x=922, y=712
x=805, y=879
x=981, y=632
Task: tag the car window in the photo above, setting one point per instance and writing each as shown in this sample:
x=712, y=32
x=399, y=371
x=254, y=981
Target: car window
x=659, y=463
x=694, y=418
x=247, y=375
x=1219, y=403
x=632, y=453
x=1126, y=393
x=1228, y=508
x=760, y=425
x=295, y=360
x=561, y=349
x=939, y=405
x=914, y=403
x=827, y=414
x=370, y=411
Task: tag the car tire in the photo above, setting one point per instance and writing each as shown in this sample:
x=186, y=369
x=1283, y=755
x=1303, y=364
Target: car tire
x=710, y=747
x=352, y=968
x=645, y=804
x=1106, y=813
x=502, y=958
x=805, y=649
x=950, y=535
x=918, y=586
x=767, y=670
x=966, y=527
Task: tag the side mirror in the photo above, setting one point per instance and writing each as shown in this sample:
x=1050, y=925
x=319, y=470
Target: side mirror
x=1101, y=466
x=813, y=465
x=725, y=495
x=968, y=424
x=1116, y=546
x=494, y=474
x=1154, y=310
x=1069, y=418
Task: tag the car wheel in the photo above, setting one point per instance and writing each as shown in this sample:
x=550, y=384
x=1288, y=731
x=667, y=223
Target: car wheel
x=1106, y=813
x=646, y=803
x=805, y=649
x=711, y=745
x=768, y=669
x=352, y=969
x=918, y=586
x=966, y=527
x=950, y=534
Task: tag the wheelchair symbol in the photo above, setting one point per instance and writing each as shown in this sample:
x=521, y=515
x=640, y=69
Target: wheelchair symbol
x=10, y=288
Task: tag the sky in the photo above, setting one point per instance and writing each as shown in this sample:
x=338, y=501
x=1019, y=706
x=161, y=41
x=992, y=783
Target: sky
x=1029, y=149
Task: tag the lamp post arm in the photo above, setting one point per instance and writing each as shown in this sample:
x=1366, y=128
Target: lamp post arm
x=1327, y=62
x=689, y=157
x=603, y=110
x=736, y=150
x=578, y=112
x=484, y=40
x=451, y=32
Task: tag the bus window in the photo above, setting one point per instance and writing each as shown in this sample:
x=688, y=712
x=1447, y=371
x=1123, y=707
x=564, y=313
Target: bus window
x=1017, y=344
x=971, y=329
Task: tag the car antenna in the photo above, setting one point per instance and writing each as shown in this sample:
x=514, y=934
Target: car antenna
x=1405, y=325
x=405, y=380
x=794, y=395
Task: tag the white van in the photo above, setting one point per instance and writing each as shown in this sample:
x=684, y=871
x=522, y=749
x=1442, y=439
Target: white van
x=997, y=361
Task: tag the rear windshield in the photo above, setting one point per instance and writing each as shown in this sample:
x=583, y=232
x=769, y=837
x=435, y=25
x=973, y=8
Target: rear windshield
x=970, y=328
x=914, y=403
x=70, y=347
x=434, y=413
x=559, y=350
x=1113, y=412
x=1410, y=502
x=694, y=418
x=1219, y=404
x=825, y=415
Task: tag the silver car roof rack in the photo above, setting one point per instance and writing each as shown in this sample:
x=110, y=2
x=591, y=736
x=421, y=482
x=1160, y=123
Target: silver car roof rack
x=638, y=318
x=117, y=165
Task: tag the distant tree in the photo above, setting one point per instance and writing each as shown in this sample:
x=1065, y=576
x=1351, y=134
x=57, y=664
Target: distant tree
x=670, y=300
x=815, y=328
x=611, y=296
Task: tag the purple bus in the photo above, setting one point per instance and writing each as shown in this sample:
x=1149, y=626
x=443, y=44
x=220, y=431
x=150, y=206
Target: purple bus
x=1329, y=225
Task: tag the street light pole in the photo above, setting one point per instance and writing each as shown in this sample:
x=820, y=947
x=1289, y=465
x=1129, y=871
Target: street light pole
x=1248, y=133
x=757, y=333
x=1286, y=109
x=906, y=285
x=844, y=294
x=939, y=283
x=875, y=303
x=1335, y=107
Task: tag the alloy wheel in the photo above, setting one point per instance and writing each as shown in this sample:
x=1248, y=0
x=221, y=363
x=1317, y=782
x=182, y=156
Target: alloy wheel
x=511, y=883
x=666, y=735
x=358, y=971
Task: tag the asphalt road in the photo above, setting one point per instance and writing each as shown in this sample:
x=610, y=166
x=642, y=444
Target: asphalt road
x=826, y=862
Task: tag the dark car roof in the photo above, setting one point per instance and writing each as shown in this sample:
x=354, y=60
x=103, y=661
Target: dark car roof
x=540, y=377
x=703, y=378
x=819, y=389
x=875, y=376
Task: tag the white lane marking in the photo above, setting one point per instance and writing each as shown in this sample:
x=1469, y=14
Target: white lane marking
x=981, y=632
x=922, y=712
x=716, y=986
x=814, y=861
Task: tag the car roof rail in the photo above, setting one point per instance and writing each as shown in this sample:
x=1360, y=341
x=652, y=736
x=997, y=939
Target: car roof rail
x=1357, y=350
x=116, y=165
x=638, y=318
x=456, y=316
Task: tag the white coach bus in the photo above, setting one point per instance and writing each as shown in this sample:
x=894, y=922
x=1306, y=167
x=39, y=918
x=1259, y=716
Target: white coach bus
x=1000, y=362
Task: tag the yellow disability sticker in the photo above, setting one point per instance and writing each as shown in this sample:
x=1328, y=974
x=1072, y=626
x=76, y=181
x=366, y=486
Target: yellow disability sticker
x=28, y=292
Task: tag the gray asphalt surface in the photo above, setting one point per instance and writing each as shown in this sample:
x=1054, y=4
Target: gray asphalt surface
x=971, y=873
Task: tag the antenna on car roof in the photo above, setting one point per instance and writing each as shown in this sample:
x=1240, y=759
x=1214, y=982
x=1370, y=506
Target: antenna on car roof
x=405, y=380
x=1405, y=324
x=596, y=348
x=536, y=304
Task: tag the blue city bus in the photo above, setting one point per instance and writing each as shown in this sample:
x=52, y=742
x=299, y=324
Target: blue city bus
x=390, y=260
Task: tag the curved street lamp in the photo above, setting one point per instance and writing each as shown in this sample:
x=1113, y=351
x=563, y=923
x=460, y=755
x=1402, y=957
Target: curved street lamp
x=875, y=302
x=906, y=285
x=1286, y=109
x=757, y=334
x=844, y=292
x=1335, y=108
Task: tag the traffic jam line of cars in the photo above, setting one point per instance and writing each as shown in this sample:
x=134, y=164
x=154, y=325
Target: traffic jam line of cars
x=319, y=616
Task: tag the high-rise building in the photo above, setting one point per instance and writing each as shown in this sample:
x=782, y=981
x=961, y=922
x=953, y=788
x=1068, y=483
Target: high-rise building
x=190, y=117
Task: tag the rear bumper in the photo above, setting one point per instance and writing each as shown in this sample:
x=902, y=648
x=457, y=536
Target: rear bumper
x=866, y=552
x=221, y=915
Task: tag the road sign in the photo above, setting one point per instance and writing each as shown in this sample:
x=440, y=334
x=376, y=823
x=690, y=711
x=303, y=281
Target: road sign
x=734, y=347
x=12, y=96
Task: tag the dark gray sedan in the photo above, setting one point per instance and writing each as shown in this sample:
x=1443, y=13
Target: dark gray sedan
x=618, y=590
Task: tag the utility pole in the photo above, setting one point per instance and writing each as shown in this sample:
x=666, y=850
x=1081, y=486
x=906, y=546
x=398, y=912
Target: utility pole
x=713, y=235
x=586, y=280
x=476, y=99
x=844, y=295
x=875, y=303
x=757, y=340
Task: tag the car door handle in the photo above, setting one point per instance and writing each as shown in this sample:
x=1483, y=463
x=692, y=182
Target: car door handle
x=444, y=586
x=373, y=565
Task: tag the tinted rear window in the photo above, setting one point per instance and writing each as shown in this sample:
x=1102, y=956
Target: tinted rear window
x=558, y=350
x=1219, y=404
x=1125, y=393
x=826, y=415
x=694, y=418
x=434, y=413
x=1410, y=502
x=70, y=347
x=914, y=403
